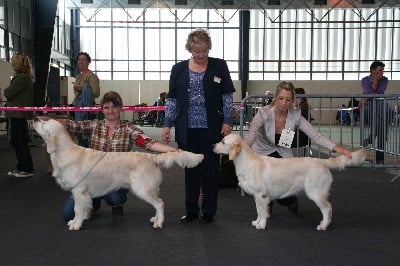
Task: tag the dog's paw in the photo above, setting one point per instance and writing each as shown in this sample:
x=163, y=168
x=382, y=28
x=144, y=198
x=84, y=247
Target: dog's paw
x=157, y=225
x=261, y=226
x=74, y=225
x=321, y=227
x=255, y=223
x=156, y=222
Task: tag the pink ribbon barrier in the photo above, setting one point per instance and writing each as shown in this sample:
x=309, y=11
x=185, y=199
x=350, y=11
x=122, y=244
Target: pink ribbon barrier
x=79, y=109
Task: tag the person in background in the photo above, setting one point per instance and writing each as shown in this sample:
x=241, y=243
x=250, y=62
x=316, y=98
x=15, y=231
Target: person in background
x=19, y=94
x=200, y=100
x=341, y=116
x=86, y=89
x=376, y=83
x=302, y=104
x=161, y=114
x=111, y=135
x=354, y=112
x=266, y=101
x=277, y=122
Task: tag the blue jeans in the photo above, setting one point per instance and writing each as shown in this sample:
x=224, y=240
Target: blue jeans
x=113, y=199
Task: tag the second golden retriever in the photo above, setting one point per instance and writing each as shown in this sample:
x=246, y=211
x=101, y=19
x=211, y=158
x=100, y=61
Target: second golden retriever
x=268, y=178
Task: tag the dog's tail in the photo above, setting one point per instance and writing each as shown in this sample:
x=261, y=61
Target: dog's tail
x=340, y=162
x=181, y=158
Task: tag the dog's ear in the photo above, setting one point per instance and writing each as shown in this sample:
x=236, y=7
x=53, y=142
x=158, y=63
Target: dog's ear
x=51, y=144
x=235, y=150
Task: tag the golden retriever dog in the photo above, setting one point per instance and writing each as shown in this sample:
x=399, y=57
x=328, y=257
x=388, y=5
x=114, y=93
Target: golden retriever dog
x=89, y=173
x=268, y=178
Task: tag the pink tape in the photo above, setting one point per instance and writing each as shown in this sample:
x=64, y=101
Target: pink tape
x=79, y=109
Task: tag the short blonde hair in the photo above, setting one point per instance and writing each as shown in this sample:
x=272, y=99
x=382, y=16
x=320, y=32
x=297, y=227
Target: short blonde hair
x=198, y=36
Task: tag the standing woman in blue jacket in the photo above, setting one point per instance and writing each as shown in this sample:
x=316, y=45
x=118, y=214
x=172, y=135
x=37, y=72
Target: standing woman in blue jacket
x=20, y=93
x=200, y=100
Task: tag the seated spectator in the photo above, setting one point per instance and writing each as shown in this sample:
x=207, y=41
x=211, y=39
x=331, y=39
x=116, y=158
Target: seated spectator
x=342, y=116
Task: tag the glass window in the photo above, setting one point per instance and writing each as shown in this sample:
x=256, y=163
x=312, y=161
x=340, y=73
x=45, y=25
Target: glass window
x=120, y=75
x=14, y=21
x=120, y=65
x=135, y=44
x=284, y=44
x=2, y=14
x=152, y=40
x=86, y=45
x=104, y=38
x=120, y=43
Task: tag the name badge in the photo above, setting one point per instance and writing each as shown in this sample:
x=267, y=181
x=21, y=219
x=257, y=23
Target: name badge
x=217, y=79
x=286, y=139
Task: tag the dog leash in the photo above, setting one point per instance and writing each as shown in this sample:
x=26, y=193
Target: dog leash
x=90, y=170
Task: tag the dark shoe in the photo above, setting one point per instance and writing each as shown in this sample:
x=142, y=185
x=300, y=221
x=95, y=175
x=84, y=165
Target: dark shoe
x=270, y=205
x=379, y=157
x=205, y=219
x=189, y=217
x=96, y=204
x=294, y=206
x=117, y=212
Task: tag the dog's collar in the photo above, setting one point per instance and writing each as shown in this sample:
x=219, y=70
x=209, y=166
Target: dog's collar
x=90, y=170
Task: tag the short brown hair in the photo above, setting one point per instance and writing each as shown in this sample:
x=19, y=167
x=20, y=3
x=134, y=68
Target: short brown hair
x=112, y=96
x=198, y=36
x=88, y=58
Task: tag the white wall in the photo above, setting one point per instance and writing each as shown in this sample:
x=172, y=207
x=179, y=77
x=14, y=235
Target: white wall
x=135, y=92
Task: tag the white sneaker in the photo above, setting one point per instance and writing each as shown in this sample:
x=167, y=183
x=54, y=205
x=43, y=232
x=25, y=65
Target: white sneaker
x=23, y=174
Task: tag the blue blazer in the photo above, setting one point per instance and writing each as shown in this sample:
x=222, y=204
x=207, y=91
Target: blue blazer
x=217, y=81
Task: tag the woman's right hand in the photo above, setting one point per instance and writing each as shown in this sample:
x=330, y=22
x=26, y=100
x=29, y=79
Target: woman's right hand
x=77, y=87
x=166, y=134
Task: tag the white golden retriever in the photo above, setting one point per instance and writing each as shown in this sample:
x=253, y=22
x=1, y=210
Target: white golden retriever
x=268, y=178
x=90, y=173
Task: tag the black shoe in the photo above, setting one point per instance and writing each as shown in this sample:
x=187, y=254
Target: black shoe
x=189, y=217
x=96, y=205
x=270, y=205
x=205, y=219
x=117, y=212
x=294, y=206
x=379, y=157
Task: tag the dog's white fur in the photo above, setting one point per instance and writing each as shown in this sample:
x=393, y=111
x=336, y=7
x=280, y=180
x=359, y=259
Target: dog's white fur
x=268, y=178
x=90, y=173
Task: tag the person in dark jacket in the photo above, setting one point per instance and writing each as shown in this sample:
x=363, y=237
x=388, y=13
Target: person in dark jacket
x=19, y=94
x=200, y=100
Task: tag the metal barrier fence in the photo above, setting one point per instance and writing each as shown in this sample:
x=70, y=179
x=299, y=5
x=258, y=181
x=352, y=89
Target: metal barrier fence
x=375, y=126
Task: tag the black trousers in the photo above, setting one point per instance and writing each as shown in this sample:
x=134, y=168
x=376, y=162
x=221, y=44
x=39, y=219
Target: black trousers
x=19, y=140
x=204, y=177
x=288, y=200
